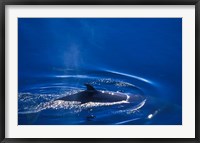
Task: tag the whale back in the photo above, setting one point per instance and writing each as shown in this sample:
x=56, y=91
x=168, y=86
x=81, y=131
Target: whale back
x=93, y=95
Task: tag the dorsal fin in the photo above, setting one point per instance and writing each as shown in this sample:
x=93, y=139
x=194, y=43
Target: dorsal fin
x=89, y=87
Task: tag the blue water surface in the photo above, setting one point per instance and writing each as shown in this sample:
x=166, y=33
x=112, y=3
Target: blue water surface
x=137, y=57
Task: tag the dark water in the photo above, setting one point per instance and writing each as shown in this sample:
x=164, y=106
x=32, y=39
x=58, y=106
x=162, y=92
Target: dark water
x=140, y=58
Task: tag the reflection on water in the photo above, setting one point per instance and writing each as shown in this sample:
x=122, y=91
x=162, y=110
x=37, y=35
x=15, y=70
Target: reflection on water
x=37, y=102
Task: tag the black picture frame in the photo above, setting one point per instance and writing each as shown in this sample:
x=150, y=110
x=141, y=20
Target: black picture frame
x=3, y=3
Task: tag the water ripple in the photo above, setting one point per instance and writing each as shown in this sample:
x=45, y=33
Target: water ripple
x=37, y=102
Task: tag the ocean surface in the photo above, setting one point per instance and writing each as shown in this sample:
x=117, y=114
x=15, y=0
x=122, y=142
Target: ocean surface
x=140, y=58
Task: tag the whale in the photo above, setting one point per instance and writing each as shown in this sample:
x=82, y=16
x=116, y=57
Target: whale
x=93, y=95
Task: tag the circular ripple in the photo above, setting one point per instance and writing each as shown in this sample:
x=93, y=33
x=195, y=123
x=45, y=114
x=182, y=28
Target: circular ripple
x=37, y=103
